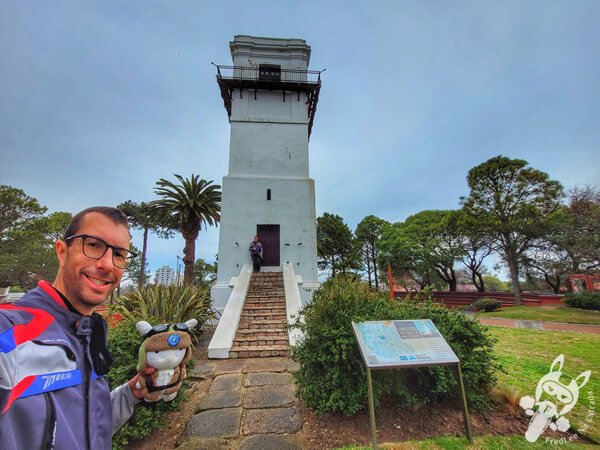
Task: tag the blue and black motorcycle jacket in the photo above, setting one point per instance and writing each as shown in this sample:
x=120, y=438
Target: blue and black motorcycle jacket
x=50, y=394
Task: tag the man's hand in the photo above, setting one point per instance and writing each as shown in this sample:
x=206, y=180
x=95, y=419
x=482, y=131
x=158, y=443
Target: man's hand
x=134, y=385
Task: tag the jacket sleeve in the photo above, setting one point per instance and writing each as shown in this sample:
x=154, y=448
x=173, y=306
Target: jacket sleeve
x=123, y=403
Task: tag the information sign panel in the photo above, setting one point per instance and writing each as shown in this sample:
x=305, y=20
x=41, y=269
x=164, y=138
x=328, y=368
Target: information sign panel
x=402, y=343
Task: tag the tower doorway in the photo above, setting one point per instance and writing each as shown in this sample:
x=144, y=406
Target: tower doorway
x=269, y=238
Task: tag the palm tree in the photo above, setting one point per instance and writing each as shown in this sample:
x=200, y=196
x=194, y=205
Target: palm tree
x=186, y=207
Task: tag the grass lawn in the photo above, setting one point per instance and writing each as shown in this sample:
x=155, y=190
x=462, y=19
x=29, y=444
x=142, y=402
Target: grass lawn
x=527, y=355
x=479, y=443
x=560, y=314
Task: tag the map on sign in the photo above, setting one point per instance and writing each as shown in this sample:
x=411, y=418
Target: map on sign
x=402, y=343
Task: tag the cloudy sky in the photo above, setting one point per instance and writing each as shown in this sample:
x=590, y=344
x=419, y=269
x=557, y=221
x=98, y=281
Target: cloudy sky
x=100, y=99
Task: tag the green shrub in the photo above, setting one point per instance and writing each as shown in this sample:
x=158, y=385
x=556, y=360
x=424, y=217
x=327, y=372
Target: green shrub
x=486, y=305
x=583, y=300
x=332, y=377
x=123, y=342
x=167, y=304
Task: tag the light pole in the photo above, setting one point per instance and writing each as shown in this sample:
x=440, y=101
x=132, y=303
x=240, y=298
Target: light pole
x=178, y=268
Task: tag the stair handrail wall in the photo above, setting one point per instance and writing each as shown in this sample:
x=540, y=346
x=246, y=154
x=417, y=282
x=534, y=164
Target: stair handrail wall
x=293, y=301
x=222, y=340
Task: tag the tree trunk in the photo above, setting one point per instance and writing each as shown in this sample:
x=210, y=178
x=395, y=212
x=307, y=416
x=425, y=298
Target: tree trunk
x=513, y=267
x=142, y=275
x=477, y=281
x=452, y=284
x=188, y=260
x=481, y=286
x=369, y=267
x=375, y=275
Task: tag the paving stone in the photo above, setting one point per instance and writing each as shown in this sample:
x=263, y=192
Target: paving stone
x=202, y=369
x=220, y=400
x=267, y=378
x=270, y=442
x=265, y=365
x=229, y=366
x=269, y=396
x=530, y=324
x=194, y=443
x=275, y=420
x=223, y=423
x=226, y=382
x=292, y=366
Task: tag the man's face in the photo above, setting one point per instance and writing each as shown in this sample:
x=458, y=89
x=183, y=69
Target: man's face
x=87, y=282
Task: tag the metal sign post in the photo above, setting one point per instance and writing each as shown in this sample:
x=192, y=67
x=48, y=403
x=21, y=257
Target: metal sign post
x=401, y=344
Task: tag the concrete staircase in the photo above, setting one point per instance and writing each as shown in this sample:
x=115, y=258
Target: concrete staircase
x=262, y=330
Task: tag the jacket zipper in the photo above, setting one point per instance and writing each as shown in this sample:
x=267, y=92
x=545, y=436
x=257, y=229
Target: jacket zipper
x=50, y=428
x=86, y=400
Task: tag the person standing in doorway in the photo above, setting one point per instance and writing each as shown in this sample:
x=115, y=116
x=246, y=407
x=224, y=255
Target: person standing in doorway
x=256, y=252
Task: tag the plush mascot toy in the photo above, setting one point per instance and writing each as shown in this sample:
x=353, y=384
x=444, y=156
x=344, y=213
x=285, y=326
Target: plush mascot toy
x=166, y=348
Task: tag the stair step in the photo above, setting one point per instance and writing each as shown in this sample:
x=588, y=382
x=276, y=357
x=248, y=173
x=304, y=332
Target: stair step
x=266, y=293
x=260, y=351
x=263, y=325
x=279, y=309
x=253, y=304
x=255, y=341
x=238, y=348
x=267, y=333
x=252, y=317
x=264, y=309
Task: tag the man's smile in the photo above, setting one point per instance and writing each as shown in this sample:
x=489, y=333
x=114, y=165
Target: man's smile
x=97, y=281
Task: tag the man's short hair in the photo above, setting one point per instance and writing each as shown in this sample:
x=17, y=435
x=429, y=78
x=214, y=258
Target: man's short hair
x=114, y=214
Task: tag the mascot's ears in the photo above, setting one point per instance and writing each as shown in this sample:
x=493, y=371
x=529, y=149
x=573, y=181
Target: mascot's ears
x=143, y=327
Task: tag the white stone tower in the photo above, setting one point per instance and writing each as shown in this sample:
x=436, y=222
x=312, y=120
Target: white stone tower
x=271, y=99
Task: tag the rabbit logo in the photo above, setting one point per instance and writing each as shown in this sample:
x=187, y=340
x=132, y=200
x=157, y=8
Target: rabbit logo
x=553, y=400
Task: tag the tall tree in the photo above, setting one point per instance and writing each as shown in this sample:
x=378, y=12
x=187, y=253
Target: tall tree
x=573, y=242
x=141, y=216
x=514, y=202
x=477, y=246
x=368, y=232
x=187, y=206
x=17, y=208
x=336, y=246
x=577, y=232
x=426, y=242
x=27, y=239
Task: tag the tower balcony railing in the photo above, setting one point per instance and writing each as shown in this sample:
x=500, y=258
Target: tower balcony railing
x=270, y=77
x=268, y=74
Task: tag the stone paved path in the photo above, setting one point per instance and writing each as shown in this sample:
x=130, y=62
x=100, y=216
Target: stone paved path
x=250, y=405
x=537, y=325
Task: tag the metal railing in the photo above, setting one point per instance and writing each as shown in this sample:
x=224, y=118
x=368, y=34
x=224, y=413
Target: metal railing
x=268, y=74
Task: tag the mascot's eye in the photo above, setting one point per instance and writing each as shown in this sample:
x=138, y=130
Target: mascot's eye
x=156, y=351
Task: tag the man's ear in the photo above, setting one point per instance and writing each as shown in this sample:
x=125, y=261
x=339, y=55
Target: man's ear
x=61, y=252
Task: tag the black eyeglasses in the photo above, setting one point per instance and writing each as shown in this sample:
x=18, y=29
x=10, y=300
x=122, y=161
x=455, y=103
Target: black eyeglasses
x=95, y=248
x=156, y=329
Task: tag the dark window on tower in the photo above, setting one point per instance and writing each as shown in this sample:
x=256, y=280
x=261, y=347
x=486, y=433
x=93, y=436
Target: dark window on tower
x=268, y=194
x=268, y=72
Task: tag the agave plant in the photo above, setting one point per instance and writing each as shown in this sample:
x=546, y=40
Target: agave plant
x=167, y=304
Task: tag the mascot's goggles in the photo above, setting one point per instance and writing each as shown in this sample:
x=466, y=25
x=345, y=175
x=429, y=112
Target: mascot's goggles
x=156, y=329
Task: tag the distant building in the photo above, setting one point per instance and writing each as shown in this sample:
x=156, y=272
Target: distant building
x=164, y=276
